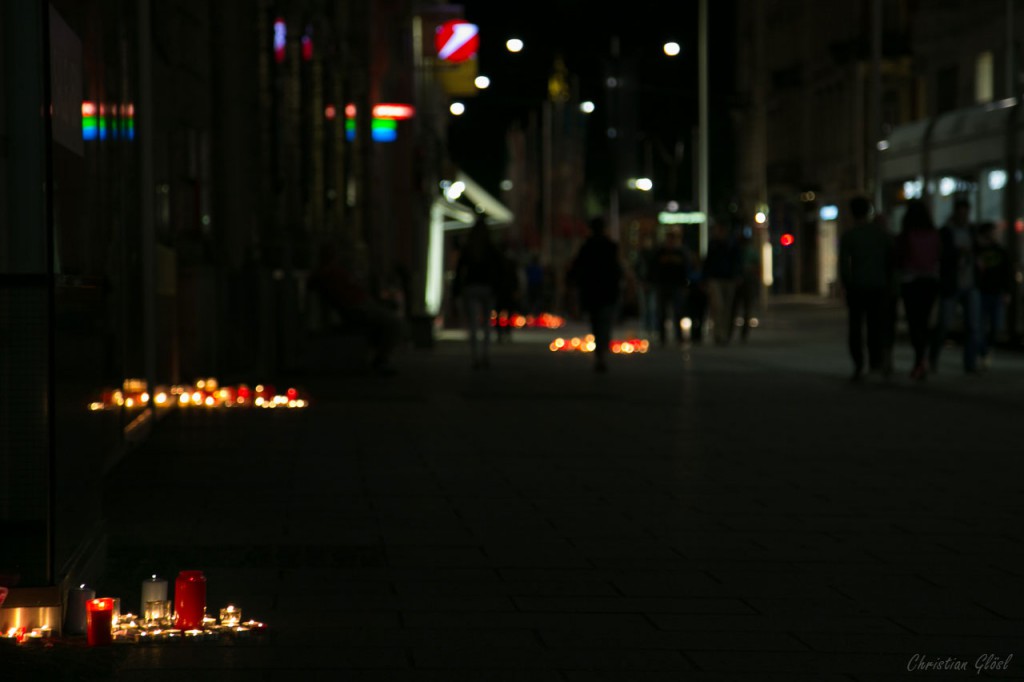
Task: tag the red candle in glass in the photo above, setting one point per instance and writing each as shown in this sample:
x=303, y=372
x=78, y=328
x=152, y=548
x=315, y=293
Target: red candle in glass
x=99, y=621
x=189, y=600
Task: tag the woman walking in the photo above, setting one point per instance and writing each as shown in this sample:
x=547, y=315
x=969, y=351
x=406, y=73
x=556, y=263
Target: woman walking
x=476, y=281
x=917, y=260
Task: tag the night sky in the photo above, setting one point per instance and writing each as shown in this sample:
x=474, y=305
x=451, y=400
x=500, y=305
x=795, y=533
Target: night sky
x=581, y=33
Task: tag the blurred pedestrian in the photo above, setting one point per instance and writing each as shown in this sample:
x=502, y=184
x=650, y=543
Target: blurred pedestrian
x=917, y=263
x=697, y=303
x=958, y=286
x=747, y=282
x=721, y=265
x=995, y=284
x=597, y=272
x=647, y=287
x=477, y=277
x=534, y=285
x=671, y=275
x=866, y=270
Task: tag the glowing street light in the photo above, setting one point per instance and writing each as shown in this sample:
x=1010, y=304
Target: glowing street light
x=671, y=48
x=587, y=107
x=514, y=45
x=457, y=108
x=642, y=184
x=482, y=82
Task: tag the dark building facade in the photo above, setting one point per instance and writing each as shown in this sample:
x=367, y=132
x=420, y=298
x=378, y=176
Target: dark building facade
x=161, y=224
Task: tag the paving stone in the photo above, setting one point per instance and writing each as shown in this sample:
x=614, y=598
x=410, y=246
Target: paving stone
x=632, y=526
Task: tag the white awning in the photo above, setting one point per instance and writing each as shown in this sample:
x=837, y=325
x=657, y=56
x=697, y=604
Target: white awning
x=456, y=210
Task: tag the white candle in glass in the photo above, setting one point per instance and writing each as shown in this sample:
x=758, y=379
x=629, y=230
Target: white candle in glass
x=153, y=589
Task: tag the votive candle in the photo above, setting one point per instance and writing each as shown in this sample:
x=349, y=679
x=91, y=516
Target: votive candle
x=230, y=615
x=156, y=610
x=76, y=616
x=189, y=600
x=153, y=589
x=100, y=620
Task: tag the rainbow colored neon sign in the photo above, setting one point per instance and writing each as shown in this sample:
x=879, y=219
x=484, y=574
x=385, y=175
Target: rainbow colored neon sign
x=99, y=122
x=384, y=126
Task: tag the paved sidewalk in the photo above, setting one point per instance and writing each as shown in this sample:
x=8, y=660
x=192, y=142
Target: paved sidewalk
x=707, y=514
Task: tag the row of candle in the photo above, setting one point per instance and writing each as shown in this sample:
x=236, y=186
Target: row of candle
x=23, y=635
x=102, y=622
x=205, y=393
x=544, y=320
x=588, y=345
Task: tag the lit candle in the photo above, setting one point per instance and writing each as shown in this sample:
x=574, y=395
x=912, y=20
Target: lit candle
x=230, y=615
x=153, y=589
x=156, y=611
x=189, y=600
x=75, y=618
x=100, y=619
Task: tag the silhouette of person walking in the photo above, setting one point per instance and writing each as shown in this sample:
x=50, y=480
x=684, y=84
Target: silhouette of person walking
x=477, y=274
x=866, y=266
x=957, y=286
x=671, y=274
x=917, y=259
x=597, y=274
x=720, y=270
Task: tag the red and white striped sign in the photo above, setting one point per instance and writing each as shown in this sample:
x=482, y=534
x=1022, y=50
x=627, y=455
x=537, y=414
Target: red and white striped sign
x=457, y=40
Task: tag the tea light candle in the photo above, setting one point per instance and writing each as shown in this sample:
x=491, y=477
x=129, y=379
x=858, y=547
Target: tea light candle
x=189, y=600
x=100, y=614
x=156, y=611
x=76, y=617
x=230, y=615
x=153, y=589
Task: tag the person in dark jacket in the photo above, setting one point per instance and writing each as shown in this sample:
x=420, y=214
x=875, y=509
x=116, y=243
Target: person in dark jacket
x=597, y=274
x=720, y=271
x=670, y=272
x=995, y=283
x=917, y=262
x=477, y=278
x=867, y=273
x=958, y=286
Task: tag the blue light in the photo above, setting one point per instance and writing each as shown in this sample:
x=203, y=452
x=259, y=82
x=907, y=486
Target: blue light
x=384, y=134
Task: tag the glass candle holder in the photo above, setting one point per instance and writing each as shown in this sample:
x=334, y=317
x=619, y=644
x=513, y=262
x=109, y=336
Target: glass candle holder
x=156, y=611
x=189, y=600
x=230, y=615
x=99, y=621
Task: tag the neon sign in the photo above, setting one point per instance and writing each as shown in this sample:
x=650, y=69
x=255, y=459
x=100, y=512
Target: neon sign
x=384, y=123
x=100, y=122
x=280, y=36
